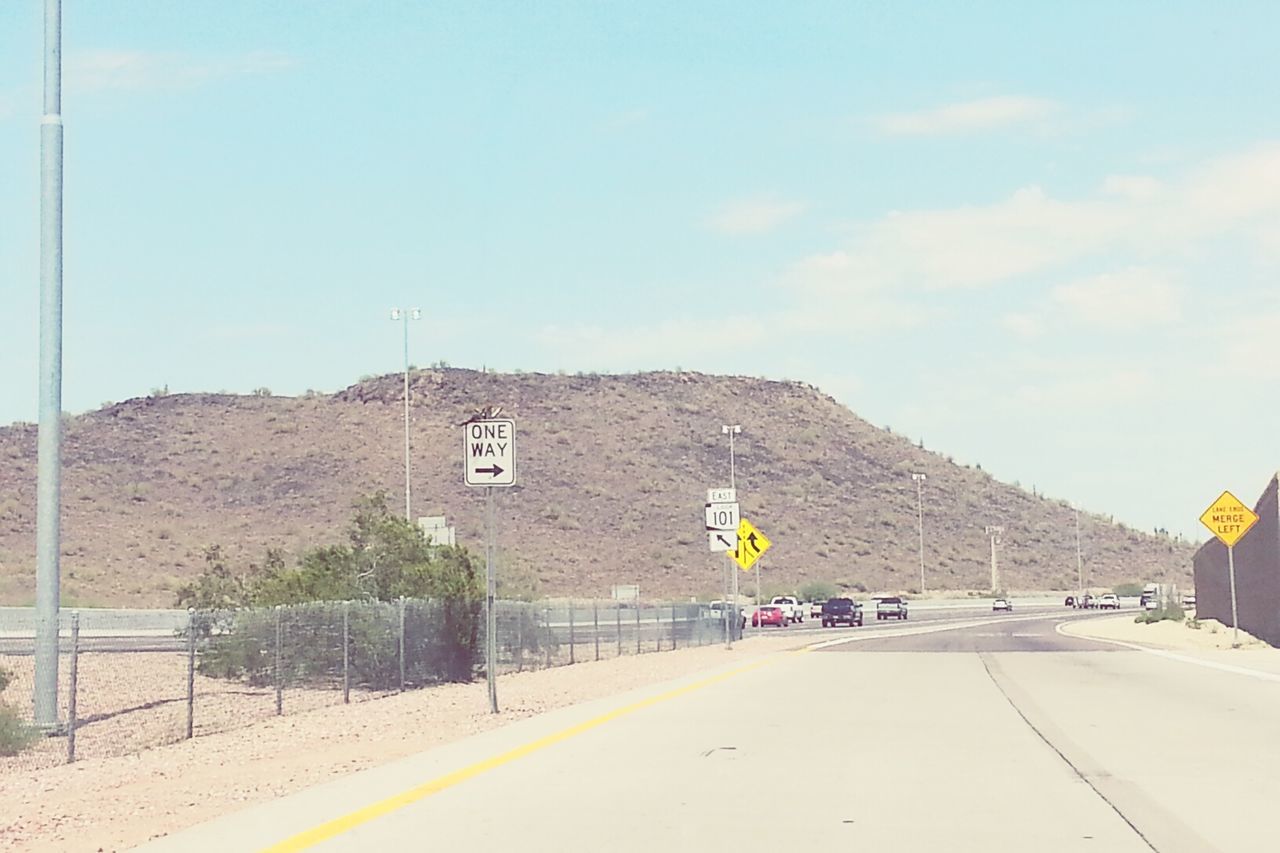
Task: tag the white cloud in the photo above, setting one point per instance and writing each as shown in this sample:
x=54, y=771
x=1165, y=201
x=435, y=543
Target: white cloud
x=1023, y=325
x=1129, y=299
x=754, y=216
x=106, y=70
x=967, y=116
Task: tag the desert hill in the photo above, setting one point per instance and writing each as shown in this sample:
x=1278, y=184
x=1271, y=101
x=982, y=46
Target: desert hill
x=613, y=473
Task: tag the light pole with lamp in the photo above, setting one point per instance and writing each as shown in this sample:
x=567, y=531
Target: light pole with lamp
x=1079, y=561
x=405, y=315
x=731, y=430
x=920, y=478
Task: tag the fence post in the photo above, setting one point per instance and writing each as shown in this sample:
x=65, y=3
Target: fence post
x=346, y=652
x=637, y=627
x=571, y=637
x=546, y=618
x=191, y=672
x=278, y=673
x=521, y=612
x=657, y=627
x=72, y=688
x=617, y=615
x=402, y=644
x=595, y=621
x=673, y=627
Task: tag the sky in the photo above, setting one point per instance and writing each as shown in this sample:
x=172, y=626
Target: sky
x=1043, y=238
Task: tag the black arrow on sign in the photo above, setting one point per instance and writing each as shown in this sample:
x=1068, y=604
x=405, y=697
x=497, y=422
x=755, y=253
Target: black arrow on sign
x=754, y=546
x=495, y=470
x=726, y=542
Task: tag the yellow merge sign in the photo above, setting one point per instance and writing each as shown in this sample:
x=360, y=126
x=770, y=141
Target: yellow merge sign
x=1227, y=518
x=751, y=544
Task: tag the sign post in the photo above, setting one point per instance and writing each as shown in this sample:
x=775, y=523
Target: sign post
x=1229, y=520
x=489, y=461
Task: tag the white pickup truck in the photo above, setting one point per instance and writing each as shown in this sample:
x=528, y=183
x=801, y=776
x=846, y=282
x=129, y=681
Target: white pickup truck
x=791, y=606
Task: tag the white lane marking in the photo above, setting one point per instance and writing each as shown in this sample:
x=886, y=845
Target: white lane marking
x=1225, y=667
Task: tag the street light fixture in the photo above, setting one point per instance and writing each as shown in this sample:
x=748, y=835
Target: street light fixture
x=731, y=622
x=405, y=315
x=920, y=478
x=995, y=532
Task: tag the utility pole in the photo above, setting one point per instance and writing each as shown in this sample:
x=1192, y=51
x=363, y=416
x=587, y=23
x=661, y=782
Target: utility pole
x=995, y=532
x=1079, y=560
x=49, y=464
x=920, y=478
x=405, y=315
x=731, y=430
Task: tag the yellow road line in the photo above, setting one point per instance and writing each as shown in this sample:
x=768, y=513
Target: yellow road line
x=347, y=822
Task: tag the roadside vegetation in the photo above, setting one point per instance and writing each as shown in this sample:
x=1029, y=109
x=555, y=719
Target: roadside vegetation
x=239, y=615
x=1168, y=612
x=15, y=733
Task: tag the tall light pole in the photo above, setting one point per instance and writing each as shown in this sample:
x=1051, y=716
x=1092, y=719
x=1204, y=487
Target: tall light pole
x=49, y=464
x=405, y=315
x=731, y=430
x=995, y=532
x=1079, y=559
x=920, y=478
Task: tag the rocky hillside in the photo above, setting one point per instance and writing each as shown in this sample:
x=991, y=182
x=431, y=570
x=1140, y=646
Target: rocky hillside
x=613, y=473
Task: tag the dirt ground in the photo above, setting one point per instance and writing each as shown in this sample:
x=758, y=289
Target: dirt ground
x=114, y=803
x=1212, y=635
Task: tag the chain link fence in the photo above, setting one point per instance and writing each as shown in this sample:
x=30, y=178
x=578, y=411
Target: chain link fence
x=119, y=694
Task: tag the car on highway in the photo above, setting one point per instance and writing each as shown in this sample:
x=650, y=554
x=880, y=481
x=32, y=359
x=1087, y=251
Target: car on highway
x=1070, y=602
x=891, y=607
x=1002, y=604
x=791, y=607
x=841, y=611
x=718, y=609
x=769, y=614
x=815, y=609
x=1109, y=601
x=1189, y=601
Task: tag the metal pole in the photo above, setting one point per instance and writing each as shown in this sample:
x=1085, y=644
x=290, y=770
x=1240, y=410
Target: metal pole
x=919, y=478
x=546, y=620
x=49, y=465
x=278, y=673
x=1079, y=560
x=402, y=644
x=520, y=638
x=728, y=634
x=571, y=635
x=595, y=621
x=490, y=612
x=657, y=627
x=759, y=566
x=617, y=615
x=736, y=620
x=191, y=672
x=1235, y=614
x=673, y=627
x=72, y=688
x=346, y=652
x=407, y=501
x=637, y=627
x=995, y=572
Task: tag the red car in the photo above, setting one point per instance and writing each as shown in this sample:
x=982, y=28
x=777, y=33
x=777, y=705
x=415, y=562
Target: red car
x=767, y=615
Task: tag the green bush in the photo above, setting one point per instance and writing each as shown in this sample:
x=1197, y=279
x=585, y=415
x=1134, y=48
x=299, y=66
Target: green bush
x=818, y=591
x=15, y=733
x=1131, y=589
x=1169, y=613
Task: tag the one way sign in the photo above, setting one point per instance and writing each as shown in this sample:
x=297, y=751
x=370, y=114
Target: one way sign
x=489, y=451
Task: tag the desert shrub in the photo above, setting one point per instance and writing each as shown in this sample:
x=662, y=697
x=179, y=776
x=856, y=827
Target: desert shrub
x=1131, y=589
x=1171, y=612
x=818, y=591
x=16, y=734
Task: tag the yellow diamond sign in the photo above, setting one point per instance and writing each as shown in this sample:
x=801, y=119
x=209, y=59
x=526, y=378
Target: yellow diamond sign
x=751, y=545
x=1229, y=519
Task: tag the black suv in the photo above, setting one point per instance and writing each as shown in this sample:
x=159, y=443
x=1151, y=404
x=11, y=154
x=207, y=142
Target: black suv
x=841, y=610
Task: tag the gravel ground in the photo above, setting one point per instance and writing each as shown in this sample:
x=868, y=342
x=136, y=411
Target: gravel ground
x=113, y=803
x=1212, y=635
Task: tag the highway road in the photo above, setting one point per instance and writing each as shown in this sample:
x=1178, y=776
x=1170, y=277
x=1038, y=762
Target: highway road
x=992, y=733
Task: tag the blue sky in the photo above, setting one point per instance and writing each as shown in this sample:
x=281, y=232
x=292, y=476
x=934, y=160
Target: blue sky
x=1042, y=237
